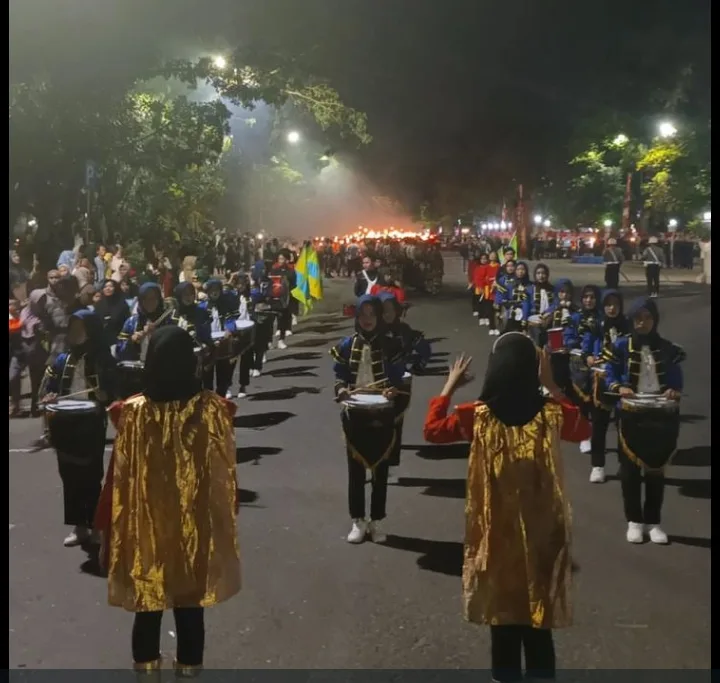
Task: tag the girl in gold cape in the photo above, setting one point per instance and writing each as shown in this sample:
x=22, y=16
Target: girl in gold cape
x=517, y=567
x=168, y=508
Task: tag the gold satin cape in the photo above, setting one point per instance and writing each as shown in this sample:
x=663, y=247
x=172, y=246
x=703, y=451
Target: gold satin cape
x=517, y=567
x=173, y=537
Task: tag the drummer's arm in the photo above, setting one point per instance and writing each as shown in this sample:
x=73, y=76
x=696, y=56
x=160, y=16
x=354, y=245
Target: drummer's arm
x=616, y=377
x=674, y=376
x=341, y=367
x=442, y=428
x=571, y=339
x=124, y=338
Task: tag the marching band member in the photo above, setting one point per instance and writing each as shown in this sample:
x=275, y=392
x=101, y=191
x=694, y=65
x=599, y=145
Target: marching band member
x=135, y=335
x=168, y=508
x=477, y=275
x=189, y=316
x=613, y=258
x=564, y=307
x=247, y=357
x=582, y=335
x=542, y=301
x=221, y=307
x=519, y=301
x=614, y=325
x=517, y=570
x=285, y=316
x=503, y=291
x=367, y=278
x=488, y=312
x=264, y=320
x=645, y=363
x=416, y=353
x=86, y=370
x=368, y=359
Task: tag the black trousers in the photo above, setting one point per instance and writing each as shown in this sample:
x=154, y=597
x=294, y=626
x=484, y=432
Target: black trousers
x=507, y=644
x=263, y=339
x=476, y=301
x=612, y=275
x=631, y=481
x=190, y=627
x=356, y=490
x=600, y=423
x=219, y=376
x=284, y=321
x=394, y=459
x=652, y=277
x=245, y=364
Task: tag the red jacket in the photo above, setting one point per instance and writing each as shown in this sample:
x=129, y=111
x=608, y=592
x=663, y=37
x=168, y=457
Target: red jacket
x=399, y=293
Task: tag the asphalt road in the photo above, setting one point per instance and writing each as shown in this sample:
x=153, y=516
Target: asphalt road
x=310, y=600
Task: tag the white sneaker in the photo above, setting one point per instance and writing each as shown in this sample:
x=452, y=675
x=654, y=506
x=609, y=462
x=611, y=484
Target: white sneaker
x=77, y=536
x=476, y=314
x=288, y=333
x=282, y=345
x=358, y=531
x=486, y=322
x=634, y=532
x=228, y=395
x=496, y=332
x=242, y=393
x=585, y=446
x=294, y=320
x=597, y=475
x=277, y=333
x=657, y=535
x=254, y=373
x=376, y=533
x=264, y=361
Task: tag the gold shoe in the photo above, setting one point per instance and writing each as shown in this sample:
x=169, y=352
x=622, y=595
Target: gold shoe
x=149, y=671
x=184, y=671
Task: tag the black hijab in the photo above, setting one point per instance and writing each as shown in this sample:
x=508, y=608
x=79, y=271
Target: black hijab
x=653, y=338
x=512, y=387
x=542, y=285
x=112, y=310
x=183, y=308
x=171, y=366
x=377, y=307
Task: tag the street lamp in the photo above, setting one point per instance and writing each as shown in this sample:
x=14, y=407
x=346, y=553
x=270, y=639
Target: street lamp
x=667, y=130
x=706, y=217
x=293, y=137
x=672, y=223
x=537, y=219
x=547, y=223
x=607, y=223
x=260, y=236
x=219, y=62
x=621, y=140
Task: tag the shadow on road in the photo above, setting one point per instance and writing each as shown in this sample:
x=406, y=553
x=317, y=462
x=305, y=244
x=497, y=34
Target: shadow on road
x=452, y=451
x=442, y=557
x=440, y=488
x=691, y=417
x=436, y=371
x=691, y=488
x=91, y=565
x=284, y=394
x=691, y=541
x=697, y=456
x=309, y=343
x=247, y=496
x=261, y=420
x=436, y=340
x=301, y=355
x=321, y=329
x=254, y=454
x=297, y=371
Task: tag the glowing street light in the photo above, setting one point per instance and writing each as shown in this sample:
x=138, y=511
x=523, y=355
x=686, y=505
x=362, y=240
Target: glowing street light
x=219, y=62
x=706, y=217
x=547, y=223
x=293, y=137
x=607, y=223
x=537, y=219
x=667, y=130
x=621, y=140
x=260, y=236
x=672, y=223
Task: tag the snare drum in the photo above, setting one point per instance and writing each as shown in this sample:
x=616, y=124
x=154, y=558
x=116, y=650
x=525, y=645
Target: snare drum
x=369, y=426
x=222, y=344
x=131, y=377
x=279, y=294
x=535, y=320
x=370, y=402
x=648, y=430
x=73, y=426
x=555, y=340
x=244, y=335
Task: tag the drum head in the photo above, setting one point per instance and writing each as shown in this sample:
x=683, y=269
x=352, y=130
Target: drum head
x=218, y=335
x=131, y=364
x=556, y=330
x=648, y=401
x=70, y=406
x=244, y=324
x=535, y=319
x=576, y=352
x=366, y=401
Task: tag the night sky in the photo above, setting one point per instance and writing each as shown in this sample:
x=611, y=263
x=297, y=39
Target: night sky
x=470, y=92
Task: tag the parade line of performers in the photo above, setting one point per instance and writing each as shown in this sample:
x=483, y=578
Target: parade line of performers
x=166, y=514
